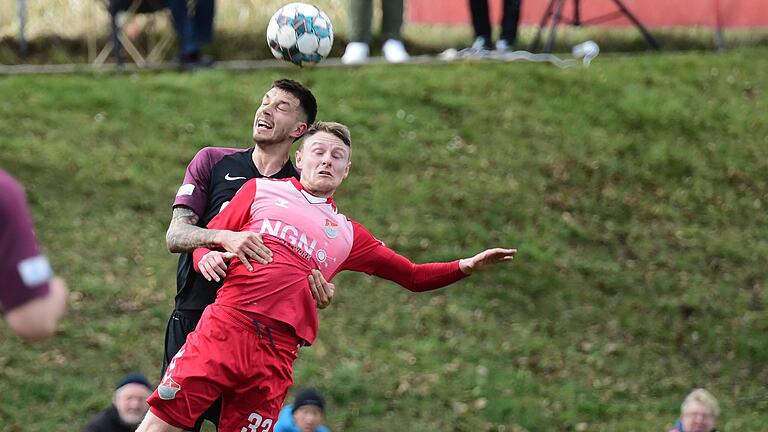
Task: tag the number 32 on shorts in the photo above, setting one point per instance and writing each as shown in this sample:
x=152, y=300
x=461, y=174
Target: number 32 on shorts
x=256, y=422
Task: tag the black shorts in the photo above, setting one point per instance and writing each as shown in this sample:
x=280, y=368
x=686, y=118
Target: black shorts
x=180, y=325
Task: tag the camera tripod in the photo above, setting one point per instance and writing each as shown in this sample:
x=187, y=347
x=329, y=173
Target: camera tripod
x=555, y=11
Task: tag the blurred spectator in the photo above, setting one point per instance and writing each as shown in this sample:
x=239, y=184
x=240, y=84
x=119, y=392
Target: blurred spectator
x=361, y=17
x=193, y=22
x=129, y=405
x=305, y=415
x=32, y=299
x=481, y=23
x=698, y=413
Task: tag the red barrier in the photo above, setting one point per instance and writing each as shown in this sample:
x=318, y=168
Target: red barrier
x=652, y=13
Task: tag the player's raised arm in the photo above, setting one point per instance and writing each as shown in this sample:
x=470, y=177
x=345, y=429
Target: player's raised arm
x=370, y=255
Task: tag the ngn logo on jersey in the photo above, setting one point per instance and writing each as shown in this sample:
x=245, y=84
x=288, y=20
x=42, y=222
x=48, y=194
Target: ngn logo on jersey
x=290, y=234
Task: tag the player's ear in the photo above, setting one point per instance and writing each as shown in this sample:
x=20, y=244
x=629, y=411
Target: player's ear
x=298, y=157
x=300, y=130
x=346, y=170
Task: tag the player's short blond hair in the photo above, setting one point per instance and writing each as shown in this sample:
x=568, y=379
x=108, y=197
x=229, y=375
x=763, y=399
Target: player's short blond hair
x=338, y=130
x=703, y=397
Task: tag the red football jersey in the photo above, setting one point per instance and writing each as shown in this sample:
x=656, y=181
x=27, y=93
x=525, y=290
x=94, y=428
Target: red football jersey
x=305, y=232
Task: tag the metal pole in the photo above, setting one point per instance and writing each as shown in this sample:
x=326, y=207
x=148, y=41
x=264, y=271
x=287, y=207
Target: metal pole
x=576, y=13
x=553, y=28
x=535, y=44
x=648, y=36
x=21, y=6
x=719, y=38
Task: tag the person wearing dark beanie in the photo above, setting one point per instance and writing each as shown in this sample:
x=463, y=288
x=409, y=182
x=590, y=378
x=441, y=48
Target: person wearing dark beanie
x=305, y=415
x=129, y=405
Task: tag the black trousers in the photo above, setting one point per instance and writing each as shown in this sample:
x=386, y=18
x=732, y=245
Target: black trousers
x=180, y=325
x=481, y=20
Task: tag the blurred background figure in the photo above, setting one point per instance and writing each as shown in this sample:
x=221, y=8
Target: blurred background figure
x=361, y=17
x=129, y=405
x=698, y=413
x=305, y=415
x=193, y=22
x=31, y=298
x=481, y=23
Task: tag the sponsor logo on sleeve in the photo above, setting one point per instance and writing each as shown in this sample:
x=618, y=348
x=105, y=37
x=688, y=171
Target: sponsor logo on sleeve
x=168, y=388
x=35, y=271
x=185, y=189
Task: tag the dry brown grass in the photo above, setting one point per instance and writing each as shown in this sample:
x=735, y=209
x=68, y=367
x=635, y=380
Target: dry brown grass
x=78, y=18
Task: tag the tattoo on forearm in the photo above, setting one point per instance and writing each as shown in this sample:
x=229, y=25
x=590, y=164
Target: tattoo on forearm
x=184, y=235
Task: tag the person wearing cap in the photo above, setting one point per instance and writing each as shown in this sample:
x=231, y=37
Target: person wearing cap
x=129, y=405
x=305, y=415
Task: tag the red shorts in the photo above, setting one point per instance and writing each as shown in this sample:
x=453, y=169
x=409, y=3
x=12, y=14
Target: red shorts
x=227, y=356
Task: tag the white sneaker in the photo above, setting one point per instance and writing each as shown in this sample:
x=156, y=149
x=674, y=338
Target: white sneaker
x=503, y=46
x=355, y=53
x=394, y=51
x=481, y=44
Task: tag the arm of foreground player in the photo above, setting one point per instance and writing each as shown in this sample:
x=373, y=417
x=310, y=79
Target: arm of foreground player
x=184, y=235
x=370, y=255
x=430, y=276
x=37, y=319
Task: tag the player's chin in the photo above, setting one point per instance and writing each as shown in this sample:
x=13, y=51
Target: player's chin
x=325, y=185
x=264, y=138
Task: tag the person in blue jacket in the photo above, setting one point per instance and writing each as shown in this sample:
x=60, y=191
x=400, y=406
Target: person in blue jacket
x=305, y=415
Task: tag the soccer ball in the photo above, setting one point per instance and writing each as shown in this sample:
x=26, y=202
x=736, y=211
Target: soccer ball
x=300, y=33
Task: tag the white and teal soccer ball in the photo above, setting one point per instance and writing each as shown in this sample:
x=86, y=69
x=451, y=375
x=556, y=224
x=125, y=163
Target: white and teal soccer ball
x=300, y=33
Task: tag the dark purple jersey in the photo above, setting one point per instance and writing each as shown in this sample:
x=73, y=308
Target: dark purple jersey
x=211, y=180
x=24, y=272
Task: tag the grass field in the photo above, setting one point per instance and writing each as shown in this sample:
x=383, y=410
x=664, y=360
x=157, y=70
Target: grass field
x=636, y=191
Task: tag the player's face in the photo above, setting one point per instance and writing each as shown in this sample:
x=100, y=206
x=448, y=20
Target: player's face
x=308, y=417
x=698, y=418
x=131, y=403
x=278, y=119
x=324, y=163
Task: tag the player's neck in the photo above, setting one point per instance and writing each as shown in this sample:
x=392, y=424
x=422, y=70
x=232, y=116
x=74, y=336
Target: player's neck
x=269, y=160
x=320, y=194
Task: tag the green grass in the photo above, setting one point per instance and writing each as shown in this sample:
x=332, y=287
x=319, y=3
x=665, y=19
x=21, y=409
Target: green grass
x=636, y=191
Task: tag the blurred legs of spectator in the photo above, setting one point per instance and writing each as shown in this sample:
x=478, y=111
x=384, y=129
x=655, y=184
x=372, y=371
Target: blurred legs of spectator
x=361, y=20
x=481, y=23
x=193, y=22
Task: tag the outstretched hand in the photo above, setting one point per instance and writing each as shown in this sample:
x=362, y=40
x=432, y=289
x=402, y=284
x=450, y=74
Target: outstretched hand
x=485, y=259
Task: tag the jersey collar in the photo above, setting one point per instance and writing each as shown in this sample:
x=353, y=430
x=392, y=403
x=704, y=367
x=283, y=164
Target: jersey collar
x=288, y=170
x=311, y=198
